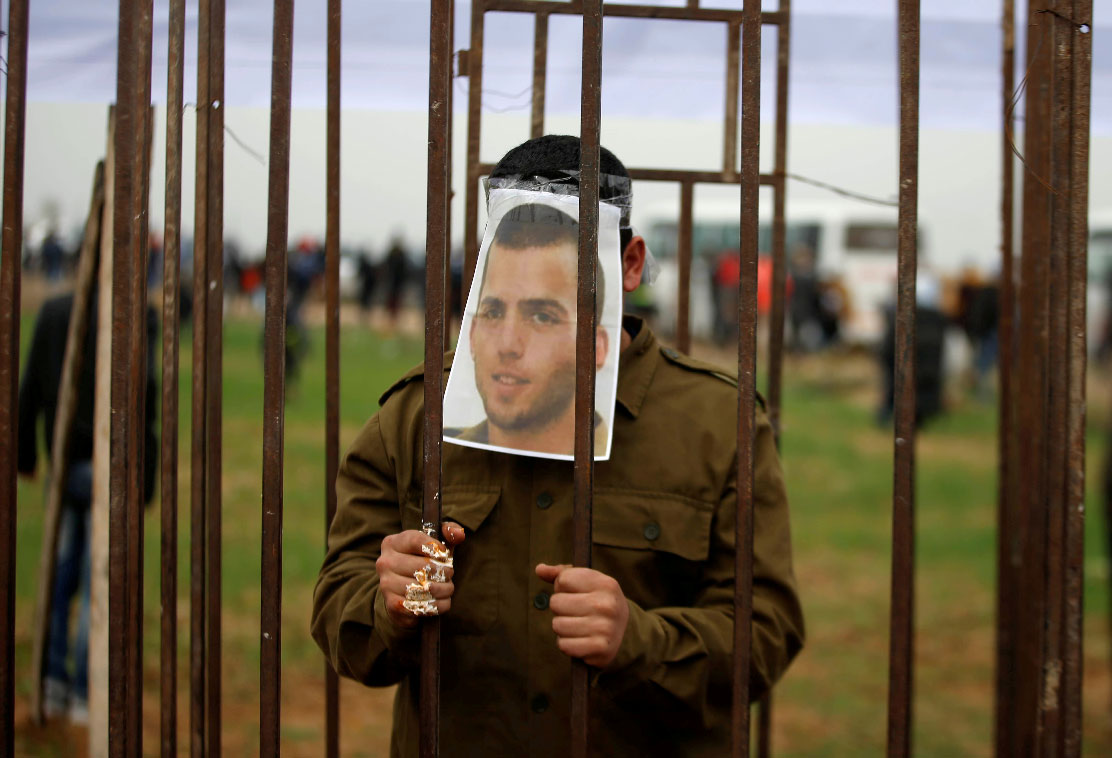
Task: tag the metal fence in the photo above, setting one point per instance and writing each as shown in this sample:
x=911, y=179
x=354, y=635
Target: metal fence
x=1042, y=353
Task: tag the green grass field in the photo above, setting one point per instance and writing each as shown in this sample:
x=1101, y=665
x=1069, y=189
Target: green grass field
x=838, y=468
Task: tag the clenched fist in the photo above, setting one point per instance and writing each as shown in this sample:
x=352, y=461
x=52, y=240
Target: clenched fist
x=401, y=558
x=589, y=610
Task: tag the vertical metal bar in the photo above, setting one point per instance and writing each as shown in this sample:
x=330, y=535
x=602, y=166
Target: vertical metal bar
x=1074, y=513
x=10, y=259
x=1082, y=59
x=779, y=191
x=683, y=261
x=747, y=371
x=171, y=313
x=903, y=502
x=1058, y=376
x=274, y=382
x=128, y=381
x=779, y=290
x=474, y=126
x=1007, y=555
x=733, y=72
x=436, y=256
x=198, y=649
x=1034, y=446
x=589, y=128
x=332, y=340
x=540, y=70
x=214, y=319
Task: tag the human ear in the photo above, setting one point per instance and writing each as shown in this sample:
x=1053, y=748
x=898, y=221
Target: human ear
x=633, y=263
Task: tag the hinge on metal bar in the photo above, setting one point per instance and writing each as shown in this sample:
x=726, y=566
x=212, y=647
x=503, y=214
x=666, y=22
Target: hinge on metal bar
x=463, y=59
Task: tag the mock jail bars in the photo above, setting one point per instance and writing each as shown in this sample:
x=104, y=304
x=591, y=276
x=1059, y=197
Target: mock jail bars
x=901, y=636
x=1045, y=509
x=10, y=273
x=168, y=447
x=274, y=387
x=332, y=340
x=586, y=317
x=208, y=297
x=1006, y=452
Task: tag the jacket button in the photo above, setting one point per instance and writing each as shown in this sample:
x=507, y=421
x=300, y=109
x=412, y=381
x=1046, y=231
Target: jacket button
x=540, y=601
x=651, y=531
x=539, y=704
x=544, y=500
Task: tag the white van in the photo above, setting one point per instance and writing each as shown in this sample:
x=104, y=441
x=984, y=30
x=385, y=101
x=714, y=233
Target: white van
x=1099, y=290
x=855, y=248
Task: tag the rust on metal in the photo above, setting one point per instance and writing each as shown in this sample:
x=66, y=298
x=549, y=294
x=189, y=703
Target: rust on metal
x=208, y=286
x=128, y=380
x=1080, y=76
x=620, y=10
x=171, y=314
x=779, y=193
x=436, y=259
x=683, y=266
x=540, y=69
x=747, y=372
x=903, y=501
x=475, y=169
x=1006, y=553
x=332, y=340
x=10, y=257
x=584, y=466
x=733, y=72
x=274, y=381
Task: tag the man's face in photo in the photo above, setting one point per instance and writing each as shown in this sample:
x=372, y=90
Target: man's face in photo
x=523, y=337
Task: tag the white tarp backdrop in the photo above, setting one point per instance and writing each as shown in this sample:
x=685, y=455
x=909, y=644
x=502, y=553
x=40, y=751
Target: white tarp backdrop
x=843, y=67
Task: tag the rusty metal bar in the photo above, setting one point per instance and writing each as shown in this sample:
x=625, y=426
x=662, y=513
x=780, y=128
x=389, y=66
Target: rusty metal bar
x=128, y=381
x=274, y=381
x=198, y=418
x=540, y=70
x=436, y=258
x=1079, y=75
x=10, y=259
x=667, y=175
x=779, y=192
x=1007, y=555
x=683, y=264
x=214, y=373
x=475, y=169
x=332, y=340
x=733, y=71
x=584, y=468
x=198, y=518
x=1032, y=390
x=747, y=372
x=902, y=627
x=678, y=13
x=171, y=314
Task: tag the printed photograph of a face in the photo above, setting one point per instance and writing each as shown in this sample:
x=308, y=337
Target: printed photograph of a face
x=512, y=382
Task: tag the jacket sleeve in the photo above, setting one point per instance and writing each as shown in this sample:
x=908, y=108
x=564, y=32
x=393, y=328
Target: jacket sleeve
x=677, y=661
x=349, y=622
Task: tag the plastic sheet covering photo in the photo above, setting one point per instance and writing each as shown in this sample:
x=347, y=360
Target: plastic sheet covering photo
x=512, y=382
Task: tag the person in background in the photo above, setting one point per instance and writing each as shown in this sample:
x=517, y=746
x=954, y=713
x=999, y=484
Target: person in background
x=66, y=686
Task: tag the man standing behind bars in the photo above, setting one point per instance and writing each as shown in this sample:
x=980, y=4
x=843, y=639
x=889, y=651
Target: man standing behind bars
x=653, y=617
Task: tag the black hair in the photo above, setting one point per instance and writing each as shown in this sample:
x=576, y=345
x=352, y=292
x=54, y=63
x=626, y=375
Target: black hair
x=553, y=155
x=540, y=225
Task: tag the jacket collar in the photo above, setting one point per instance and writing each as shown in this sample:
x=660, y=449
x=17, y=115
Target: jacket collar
x=637, y=365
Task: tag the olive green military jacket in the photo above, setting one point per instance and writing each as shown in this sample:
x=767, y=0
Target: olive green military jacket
x=663, y=527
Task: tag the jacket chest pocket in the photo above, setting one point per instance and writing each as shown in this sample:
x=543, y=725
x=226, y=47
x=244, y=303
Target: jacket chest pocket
x=655, y=544
x=476, y=561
